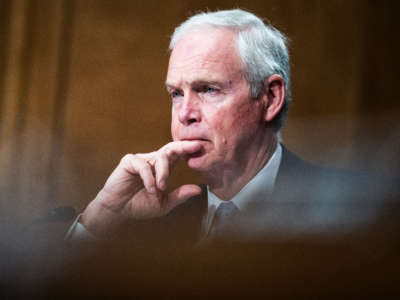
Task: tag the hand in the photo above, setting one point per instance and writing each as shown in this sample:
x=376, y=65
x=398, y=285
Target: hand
x=136, y=189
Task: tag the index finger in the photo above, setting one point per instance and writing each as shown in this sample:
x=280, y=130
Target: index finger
x=168, y=154
x=180, y=148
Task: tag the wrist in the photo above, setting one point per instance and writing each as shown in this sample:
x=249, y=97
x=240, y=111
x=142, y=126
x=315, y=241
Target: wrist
x=100, y=221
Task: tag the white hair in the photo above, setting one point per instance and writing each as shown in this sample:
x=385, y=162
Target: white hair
x=262, y=48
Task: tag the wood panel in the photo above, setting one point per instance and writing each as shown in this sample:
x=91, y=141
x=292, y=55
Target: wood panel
x=30, y=100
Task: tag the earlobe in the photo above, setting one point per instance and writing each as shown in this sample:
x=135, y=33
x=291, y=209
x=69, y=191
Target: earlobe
x=275, y=92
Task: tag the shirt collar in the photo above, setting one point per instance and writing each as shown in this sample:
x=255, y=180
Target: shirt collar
x=259, y=188
x=262, y=184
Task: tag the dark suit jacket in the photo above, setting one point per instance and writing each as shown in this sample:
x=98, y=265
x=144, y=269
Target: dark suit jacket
x=308, y=201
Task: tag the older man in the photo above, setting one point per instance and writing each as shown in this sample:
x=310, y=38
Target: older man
x=228, y=79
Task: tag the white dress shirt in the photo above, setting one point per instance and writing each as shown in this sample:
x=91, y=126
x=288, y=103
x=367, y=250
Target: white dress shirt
x=260, y=187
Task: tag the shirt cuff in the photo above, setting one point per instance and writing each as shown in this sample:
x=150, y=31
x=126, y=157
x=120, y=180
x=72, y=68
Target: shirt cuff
x=78, y=232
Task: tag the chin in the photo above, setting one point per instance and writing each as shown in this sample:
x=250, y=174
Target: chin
x=198, y=164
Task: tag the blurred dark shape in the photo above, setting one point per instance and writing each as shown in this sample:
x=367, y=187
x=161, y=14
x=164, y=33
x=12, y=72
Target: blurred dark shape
x=58, y=214
x=155, y=260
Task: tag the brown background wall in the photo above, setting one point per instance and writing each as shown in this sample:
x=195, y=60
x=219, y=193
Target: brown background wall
x=81, y=84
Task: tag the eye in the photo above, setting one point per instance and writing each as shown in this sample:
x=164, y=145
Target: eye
x=175, y=94
x=210, y=89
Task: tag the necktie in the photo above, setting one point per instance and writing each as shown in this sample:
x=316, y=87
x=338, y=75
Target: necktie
x=224, y=219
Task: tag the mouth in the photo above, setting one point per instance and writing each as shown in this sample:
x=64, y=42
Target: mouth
x=195, y=139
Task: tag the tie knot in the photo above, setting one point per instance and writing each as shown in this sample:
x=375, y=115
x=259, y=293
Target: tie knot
x=224, y=219
x=226, y=210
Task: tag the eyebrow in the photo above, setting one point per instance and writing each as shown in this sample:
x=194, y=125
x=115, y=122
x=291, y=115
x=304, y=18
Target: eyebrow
x=199, y=82
x=169, y=86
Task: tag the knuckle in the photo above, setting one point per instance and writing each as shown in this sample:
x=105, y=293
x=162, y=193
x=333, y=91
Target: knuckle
x=164, y=151
x=169, y=151
x=132, y=160
x=127, y=157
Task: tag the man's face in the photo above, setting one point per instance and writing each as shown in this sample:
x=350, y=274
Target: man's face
x=210, y=100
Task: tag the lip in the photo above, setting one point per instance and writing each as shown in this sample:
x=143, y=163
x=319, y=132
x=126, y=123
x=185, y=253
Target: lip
x=195, y=139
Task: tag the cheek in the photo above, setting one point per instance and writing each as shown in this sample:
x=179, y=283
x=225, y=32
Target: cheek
x=224, y=125
x=239, y=117
x=232, y=125
x=174, y=128
x=219, y=122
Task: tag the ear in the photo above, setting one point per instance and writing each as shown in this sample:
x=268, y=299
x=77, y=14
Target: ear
x=274, y=96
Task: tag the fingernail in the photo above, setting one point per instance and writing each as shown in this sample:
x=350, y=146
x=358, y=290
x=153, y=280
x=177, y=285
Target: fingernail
x=152, y=190
x=162, y=185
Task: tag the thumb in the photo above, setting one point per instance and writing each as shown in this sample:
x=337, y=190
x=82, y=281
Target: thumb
x=180, y=195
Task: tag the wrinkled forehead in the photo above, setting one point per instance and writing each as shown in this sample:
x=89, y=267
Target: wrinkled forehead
x=205, y=50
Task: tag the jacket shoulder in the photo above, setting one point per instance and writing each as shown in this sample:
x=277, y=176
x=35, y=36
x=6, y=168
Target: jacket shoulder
x=313, y=198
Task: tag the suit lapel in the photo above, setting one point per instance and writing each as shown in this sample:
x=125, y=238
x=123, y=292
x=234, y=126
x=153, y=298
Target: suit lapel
x=294, y=178
x=186, y=219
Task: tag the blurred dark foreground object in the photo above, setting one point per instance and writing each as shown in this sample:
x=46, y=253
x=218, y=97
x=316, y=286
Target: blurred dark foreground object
x=154, y=260
x=302, y=269
x=360, y=264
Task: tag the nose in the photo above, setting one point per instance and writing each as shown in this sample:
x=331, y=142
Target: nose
x=189, y=111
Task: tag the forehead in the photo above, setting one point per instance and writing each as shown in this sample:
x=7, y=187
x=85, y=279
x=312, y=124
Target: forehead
x=210, y=53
